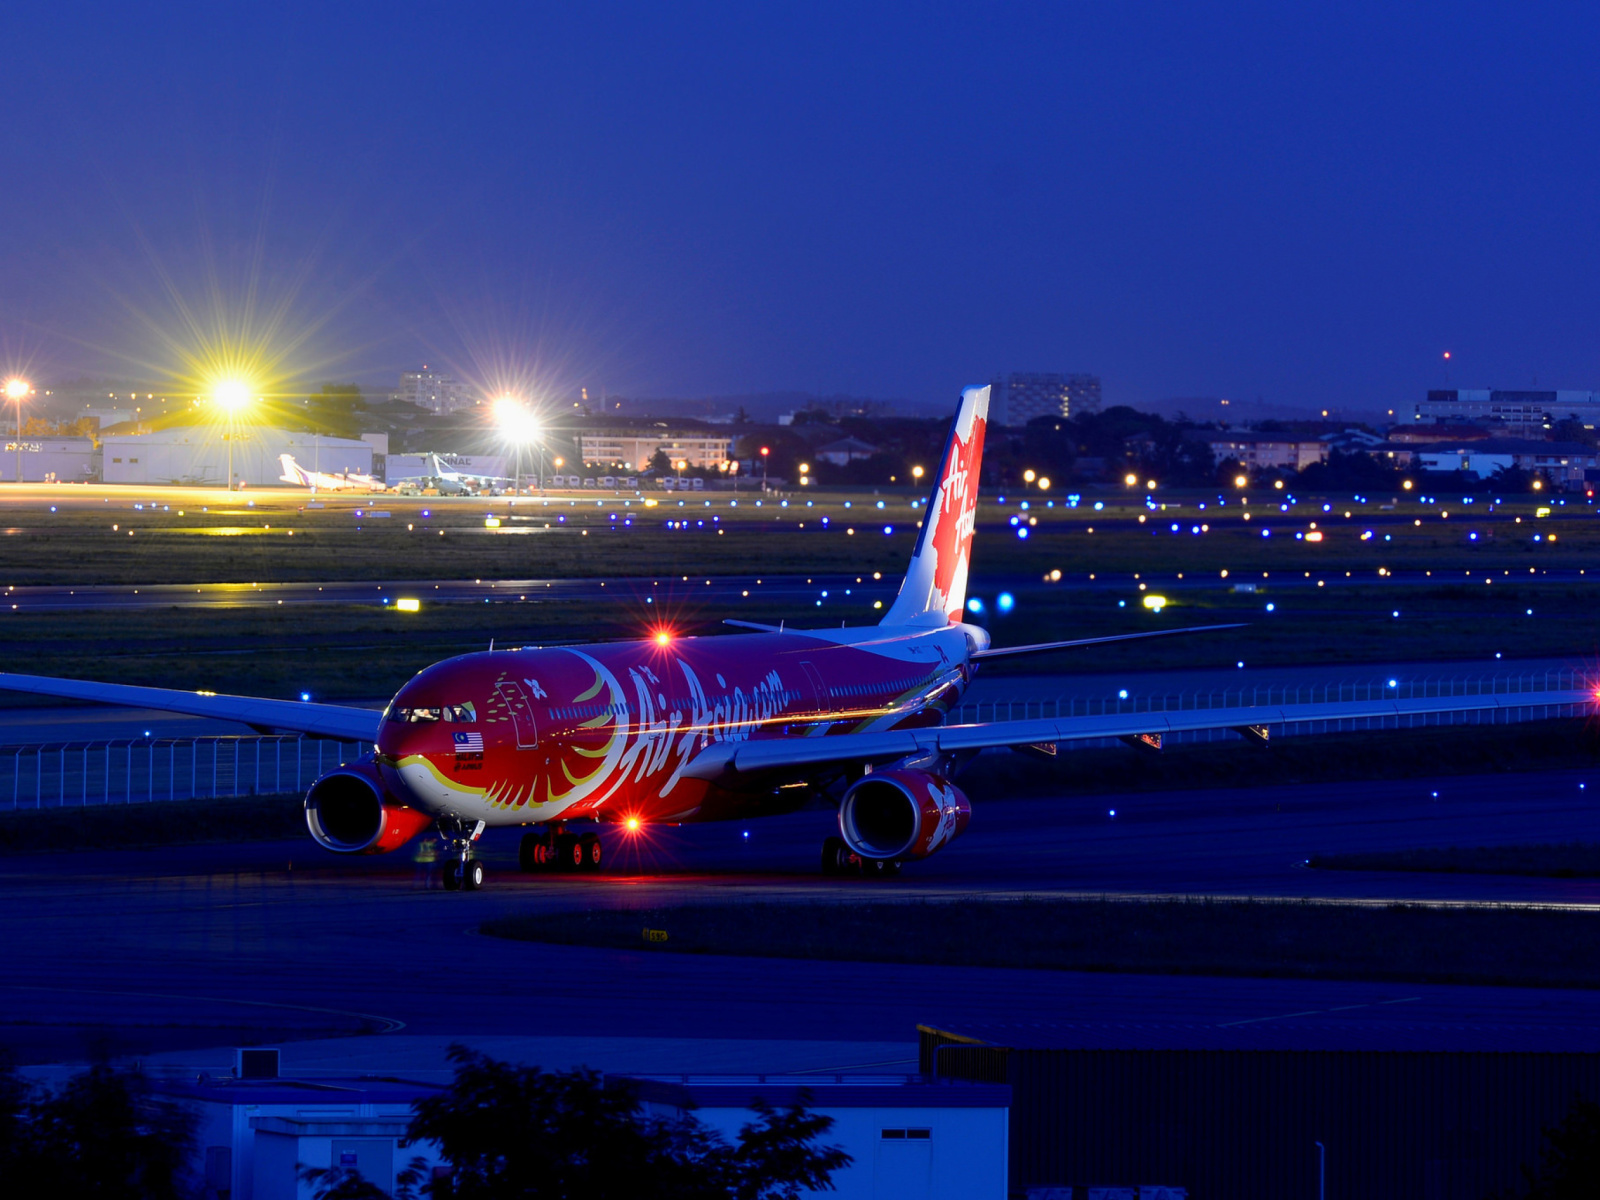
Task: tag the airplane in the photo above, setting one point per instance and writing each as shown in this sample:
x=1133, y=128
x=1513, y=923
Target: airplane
x=319, y=481
x=466, y=479
x=672, y=729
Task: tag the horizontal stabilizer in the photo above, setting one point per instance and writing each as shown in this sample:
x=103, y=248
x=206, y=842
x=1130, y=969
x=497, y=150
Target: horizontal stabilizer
x=1041, y=647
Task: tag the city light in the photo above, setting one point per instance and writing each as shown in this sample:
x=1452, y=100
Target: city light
x=1028, y=476
x=1241, y=481
x=17, y=389
x=916, y=473
x=1131, y=480
x=1044, y=483
x=1149, y=485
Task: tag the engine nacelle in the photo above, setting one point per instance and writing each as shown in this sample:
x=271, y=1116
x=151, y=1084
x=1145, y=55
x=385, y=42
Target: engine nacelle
x=349, y=811
x=902, y=813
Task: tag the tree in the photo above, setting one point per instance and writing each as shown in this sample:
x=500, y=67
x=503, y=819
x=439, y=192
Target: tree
x=519, y=1131
x=104, y=1135
x=337, y=408
x=1570, y=1169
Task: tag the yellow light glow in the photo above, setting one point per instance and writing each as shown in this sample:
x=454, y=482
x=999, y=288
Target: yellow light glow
x=1314, y=536
x=1044, y=483
x=1150, y=485
x=408, y=604
x=18, y=389
x=1028, y=476
x=231, y=395
x=491, y=522
x=1278, y=483
x=916, y=472
x=1240, y=481
x=1538, y=485
x=1154, y=601
x=632, y=824
x=1131, y=480
x=805, y=468
x=1406, y=484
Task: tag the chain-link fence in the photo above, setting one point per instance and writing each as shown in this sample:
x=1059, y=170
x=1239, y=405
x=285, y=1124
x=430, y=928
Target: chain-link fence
x=1382, y=688
x=67, y=774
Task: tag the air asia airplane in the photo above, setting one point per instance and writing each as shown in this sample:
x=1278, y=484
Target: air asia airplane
x=704, y=729
x=319, y=481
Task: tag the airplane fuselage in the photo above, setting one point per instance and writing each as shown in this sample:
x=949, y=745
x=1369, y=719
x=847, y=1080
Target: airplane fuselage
x=604, y=731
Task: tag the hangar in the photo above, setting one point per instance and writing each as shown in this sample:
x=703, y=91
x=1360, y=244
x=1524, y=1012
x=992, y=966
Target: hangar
x=198, y=454
x=49, y=459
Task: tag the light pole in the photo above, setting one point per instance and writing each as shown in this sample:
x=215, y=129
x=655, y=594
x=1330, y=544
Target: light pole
x=765, y=450
x=232, y=396
x=17, y=391
x=519, y=427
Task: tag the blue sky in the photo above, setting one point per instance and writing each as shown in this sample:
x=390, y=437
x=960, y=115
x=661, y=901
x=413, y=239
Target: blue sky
x=1305, y=203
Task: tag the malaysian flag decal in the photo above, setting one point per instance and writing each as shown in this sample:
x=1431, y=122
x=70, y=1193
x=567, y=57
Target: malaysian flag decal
x=468, y=742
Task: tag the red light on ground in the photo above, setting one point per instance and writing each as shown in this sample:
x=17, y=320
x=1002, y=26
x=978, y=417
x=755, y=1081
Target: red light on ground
x=663, y=638
x=632, y=824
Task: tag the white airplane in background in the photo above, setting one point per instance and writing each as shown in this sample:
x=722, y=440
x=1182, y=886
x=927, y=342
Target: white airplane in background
x=466, y=478
x=321, y=481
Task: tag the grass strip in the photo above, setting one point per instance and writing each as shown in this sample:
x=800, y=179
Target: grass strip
x=1567, y=860
x=163, y=823
x=1299, y=940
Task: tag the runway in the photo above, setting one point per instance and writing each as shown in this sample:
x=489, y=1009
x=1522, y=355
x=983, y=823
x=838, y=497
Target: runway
x=206, y=946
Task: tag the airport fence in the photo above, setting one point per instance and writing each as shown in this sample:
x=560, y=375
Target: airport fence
x=136, y=771
x=1381, y=688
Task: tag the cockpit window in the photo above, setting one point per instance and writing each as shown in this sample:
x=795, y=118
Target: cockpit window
x=462, y=714
x=414, y=716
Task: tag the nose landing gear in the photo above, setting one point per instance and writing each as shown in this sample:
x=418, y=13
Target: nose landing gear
x=462, y=872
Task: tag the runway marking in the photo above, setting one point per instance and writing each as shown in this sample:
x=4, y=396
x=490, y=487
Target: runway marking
x=1316, y=1012
x=390, y=1024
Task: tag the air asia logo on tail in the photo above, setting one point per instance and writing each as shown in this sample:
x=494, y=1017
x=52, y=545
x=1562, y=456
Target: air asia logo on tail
x=935, y=587
x=951, y=539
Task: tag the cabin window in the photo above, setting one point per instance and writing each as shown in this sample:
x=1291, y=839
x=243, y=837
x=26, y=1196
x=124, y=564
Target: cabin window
x=415, y=716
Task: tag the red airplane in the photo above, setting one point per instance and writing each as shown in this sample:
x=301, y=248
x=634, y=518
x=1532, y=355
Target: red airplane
x=708, y=729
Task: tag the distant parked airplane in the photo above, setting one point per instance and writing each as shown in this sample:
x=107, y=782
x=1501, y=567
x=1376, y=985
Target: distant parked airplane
x=321, y=481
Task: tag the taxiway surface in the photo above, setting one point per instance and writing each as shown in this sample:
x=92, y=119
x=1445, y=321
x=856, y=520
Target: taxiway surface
x=210, y=945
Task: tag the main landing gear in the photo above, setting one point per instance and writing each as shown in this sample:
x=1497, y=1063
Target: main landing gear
x=557, y=850
x=461, y=872
x=839, y=859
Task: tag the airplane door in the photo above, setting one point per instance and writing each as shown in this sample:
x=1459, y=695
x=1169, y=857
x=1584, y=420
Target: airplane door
x=521, y=715
x=818, y=688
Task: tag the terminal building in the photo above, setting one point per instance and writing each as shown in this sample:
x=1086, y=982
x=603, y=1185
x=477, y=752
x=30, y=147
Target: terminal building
x=1266, y=451
x=1018, y=398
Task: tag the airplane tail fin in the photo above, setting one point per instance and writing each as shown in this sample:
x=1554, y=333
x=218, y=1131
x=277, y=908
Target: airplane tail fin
x=934, y=591
x=292, y=471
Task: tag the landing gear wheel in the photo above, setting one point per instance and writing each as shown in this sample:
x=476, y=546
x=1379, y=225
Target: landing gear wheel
x=472, y=875
x=589, y=852
x=451, y=875
x=530, y=853
x=835, y=856
x=568, y=853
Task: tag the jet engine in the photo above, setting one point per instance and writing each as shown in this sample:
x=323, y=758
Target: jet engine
x=349, y=811
x=902, y=813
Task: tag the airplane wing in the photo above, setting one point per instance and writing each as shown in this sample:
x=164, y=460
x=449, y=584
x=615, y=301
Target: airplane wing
x=723, y=760
x=324, y=720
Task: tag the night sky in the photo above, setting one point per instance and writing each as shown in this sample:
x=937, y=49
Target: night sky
x=881, y=200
